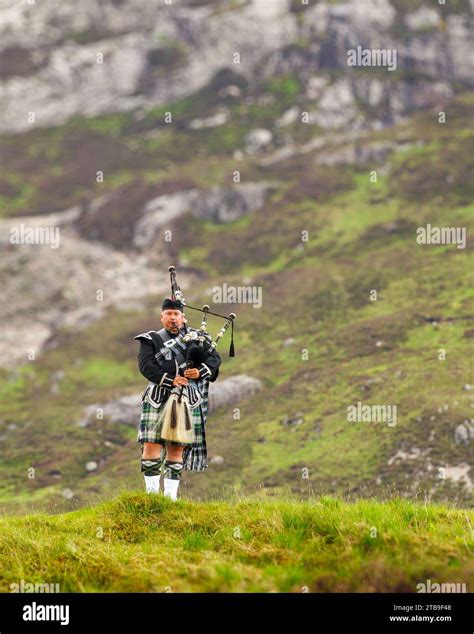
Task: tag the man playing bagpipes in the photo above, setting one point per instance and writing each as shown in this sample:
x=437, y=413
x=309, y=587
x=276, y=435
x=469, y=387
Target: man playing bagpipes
x=179, y=362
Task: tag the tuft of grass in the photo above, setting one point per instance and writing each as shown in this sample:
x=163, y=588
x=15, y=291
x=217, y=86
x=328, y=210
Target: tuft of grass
x=143, y=543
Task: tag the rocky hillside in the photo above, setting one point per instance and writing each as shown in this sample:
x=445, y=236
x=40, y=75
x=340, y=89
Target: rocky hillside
x=156, y=51
x=233, y=139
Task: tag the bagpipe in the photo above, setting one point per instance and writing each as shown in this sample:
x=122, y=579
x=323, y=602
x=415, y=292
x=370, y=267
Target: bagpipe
x=176, y=423
x=201, y=334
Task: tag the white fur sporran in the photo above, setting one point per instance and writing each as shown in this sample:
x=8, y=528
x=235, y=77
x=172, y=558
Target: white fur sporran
x=177, y=419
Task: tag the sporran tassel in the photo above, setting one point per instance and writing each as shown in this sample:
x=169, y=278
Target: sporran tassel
x=188, y=418
x=174, y=415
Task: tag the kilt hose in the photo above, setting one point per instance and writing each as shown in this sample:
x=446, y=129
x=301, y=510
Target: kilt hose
x=195, y=455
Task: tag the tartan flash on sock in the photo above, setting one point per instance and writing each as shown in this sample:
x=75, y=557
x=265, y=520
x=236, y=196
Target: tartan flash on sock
x=151, y=467
x=173, y=470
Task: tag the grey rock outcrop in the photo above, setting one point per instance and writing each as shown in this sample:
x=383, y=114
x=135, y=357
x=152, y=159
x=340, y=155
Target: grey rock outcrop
x=67, y=286
x=126, y=409
x=232, y=390
x=86, y=58
x=464, y=433
x=216, y=203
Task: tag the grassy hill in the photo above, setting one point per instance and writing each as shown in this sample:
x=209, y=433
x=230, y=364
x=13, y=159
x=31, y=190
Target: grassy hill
x=317, y=293
x=149, y=544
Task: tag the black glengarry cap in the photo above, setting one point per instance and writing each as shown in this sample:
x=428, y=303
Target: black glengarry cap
x=172, y=304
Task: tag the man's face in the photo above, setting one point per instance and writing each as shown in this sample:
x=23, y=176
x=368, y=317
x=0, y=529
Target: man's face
x=172, y=319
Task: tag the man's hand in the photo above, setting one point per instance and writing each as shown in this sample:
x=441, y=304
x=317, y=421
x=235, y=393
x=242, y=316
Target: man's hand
x=179, y=380
x=191, y=373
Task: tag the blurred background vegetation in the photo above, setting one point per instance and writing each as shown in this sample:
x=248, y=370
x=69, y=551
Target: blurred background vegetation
x=310, y=177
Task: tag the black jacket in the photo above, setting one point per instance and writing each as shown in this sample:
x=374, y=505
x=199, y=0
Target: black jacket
x=163, y=372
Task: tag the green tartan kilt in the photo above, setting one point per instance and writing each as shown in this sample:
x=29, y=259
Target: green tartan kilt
x=150, y=425
x=194, y=456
